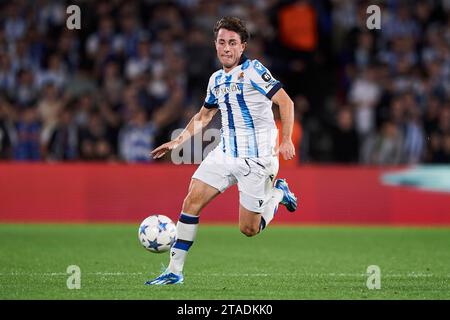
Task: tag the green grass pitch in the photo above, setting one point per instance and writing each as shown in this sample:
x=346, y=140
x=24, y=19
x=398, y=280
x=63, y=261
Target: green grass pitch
x=284, y=262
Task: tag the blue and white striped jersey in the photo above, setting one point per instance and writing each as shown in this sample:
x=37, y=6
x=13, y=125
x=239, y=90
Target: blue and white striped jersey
x=243, y=96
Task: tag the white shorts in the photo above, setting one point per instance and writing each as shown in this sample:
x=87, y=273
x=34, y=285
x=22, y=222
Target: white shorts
x=254, y=176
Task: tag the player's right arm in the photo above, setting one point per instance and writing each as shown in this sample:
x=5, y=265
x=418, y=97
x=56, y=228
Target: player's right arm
x=197, y=123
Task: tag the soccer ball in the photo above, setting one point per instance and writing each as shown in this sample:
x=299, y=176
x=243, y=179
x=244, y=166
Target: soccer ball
x=157, y=233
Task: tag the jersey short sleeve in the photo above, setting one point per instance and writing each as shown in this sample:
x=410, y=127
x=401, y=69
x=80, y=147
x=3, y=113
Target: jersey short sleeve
x=210, y=100
x=262, y=80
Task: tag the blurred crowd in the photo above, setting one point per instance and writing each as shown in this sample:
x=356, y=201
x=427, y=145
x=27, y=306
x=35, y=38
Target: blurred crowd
x=138, y=70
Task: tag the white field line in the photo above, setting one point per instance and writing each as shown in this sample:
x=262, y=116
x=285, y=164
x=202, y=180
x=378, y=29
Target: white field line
x=57, y=274
x=389, y=275
x=353, y=275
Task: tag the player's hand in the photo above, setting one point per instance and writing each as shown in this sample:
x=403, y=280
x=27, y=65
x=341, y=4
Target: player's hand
x=163, y=149
x=287, y=150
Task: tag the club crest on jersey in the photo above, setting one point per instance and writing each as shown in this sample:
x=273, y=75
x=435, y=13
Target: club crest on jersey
x=266, y=77
x=241, y=77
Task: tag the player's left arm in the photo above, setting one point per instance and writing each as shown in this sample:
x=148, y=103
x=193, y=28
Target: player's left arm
x=286, y=105
x=261, y=79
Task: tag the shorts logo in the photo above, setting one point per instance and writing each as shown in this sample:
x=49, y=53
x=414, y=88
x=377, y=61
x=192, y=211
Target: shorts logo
x=260, y=202
x=266, y=77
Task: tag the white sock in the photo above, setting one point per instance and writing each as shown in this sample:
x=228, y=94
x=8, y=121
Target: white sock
x=186, y=232
x=271, y=207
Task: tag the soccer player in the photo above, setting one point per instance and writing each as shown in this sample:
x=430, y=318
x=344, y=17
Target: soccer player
x=243, y=90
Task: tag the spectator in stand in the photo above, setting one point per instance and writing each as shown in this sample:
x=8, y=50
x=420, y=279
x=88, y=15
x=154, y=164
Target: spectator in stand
x=28, y=131
x=56, y=72
x=94, y=143
x=105, y=34
x=49, y=107
x=141, y=62
x=63, y=141
x=345, y=138
x=15, y=24
x=84, y=107
x=112, y=83
x=443, y=154
x=414, y=136
x=6, y=128
x=137, y=138
x=431, y=117
x=131, y=32
x=7, y=76
x=298, y=38
x=444, y=120
x=26, y=92
x=383, y=148
x=364, y=95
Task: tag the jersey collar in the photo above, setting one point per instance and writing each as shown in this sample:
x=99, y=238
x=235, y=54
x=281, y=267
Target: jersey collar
x=241, y=61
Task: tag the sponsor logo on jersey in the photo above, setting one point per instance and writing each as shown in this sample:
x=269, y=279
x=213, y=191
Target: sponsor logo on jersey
x=271, y=83
x=266, y=77
x=224, y=89
x=259, y=66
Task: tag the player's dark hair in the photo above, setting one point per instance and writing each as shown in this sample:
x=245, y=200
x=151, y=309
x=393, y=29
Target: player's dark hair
x=233, y=24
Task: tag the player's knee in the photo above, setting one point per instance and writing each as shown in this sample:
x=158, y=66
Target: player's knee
x=249, y=231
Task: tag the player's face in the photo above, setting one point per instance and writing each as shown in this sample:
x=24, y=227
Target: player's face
x=229, y=48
